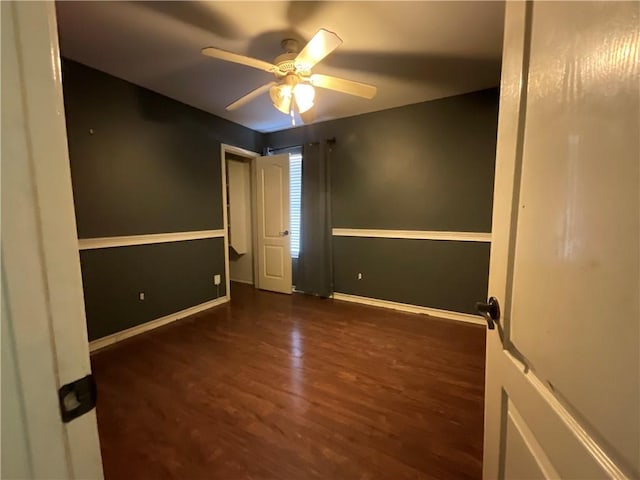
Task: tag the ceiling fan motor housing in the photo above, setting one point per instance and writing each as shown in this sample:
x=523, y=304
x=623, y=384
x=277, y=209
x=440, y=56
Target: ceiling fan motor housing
x=286, y=61
x=289, y=45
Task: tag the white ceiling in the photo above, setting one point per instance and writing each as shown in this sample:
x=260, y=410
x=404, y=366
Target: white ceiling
x=413, y=51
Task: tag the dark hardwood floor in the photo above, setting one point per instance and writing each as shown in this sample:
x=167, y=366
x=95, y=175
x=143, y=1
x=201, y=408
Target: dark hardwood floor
x=294, y=387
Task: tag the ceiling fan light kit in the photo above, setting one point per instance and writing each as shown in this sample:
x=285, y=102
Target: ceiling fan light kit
x=304, y=95
x=294, y=88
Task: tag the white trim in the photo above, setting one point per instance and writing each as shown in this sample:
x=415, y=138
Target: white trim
x=108, y=242
x=405, y=307
x=153, y=324
x=225, y=219
x=239, y=151
x=224, y=149
x=514, y=79
x=254, y=220
x=413, y=234
x=247, y=282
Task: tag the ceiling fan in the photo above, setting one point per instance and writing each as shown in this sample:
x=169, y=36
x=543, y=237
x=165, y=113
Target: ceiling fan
x=293, y=91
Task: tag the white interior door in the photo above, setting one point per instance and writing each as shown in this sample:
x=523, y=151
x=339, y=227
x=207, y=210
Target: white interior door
x=562, y=384
x=44, y=335
x=273, y=239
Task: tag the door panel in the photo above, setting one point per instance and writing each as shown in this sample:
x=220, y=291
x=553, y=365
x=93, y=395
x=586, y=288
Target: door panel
x=273, y=264
x=273, y=193
x=563, y=379
x=553, y=432
x=577, y=225
x=43, y=318
x=524, y=458
x=274, y=254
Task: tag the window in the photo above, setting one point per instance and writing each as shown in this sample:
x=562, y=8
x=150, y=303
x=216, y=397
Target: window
x=295, y=194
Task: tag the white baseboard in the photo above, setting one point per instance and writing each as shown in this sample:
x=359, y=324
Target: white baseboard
x=237, y=280
x=153, y=324
x=404, y=307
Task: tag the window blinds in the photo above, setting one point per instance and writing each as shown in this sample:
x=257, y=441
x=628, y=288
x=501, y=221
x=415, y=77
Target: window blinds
x=295, y=193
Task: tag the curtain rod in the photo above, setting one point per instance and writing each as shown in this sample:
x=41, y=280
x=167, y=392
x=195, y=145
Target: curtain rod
x=289, y=147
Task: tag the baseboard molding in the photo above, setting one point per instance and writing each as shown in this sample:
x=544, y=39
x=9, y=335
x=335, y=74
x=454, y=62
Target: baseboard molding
x=96, y=345
x=405, y=307
x=247, y=282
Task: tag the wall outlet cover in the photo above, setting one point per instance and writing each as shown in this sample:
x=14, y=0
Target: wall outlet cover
x=217, y=279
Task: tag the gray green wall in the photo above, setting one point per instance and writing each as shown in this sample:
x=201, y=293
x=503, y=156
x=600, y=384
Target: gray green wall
x=173, y=276
x=448, y=275
x=142, y=163
x=428, y=166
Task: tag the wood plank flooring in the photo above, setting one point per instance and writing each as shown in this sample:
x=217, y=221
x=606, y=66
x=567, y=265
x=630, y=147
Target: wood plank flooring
x=294, y=387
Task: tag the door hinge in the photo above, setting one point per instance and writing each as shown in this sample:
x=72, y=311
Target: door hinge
x=77, y=398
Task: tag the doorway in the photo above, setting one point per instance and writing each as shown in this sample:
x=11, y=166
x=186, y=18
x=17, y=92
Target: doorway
x=238, y=215
x=262, y=217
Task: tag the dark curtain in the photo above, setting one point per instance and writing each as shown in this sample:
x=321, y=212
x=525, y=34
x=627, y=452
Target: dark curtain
x=314, y=275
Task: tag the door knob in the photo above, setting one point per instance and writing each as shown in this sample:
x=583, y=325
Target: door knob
x=285, y=233
x=490, y=311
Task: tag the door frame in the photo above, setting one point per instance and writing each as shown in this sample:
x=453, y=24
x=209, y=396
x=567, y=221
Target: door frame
x=250, y=156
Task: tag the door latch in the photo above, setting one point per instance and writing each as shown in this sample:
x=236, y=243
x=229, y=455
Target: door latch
x=77, y=398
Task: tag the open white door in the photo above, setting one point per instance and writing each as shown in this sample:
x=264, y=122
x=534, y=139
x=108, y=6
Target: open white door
x=272, y=209
x=562, y=377
x=44, y=334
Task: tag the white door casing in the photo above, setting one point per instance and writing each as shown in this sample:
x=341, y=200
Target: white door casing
x=273, y=239
x=563, y=384
x=224, y=149
x=43, y=311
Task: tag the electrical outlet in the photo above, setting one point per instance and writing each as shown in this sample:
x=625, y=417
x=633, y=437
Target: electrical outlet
x=141, y=296
x=359, y=276
x=217, y=279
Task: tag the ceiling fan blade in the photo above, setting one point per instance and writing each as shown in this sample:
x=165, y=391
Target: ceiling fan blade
x=250, y=96
x=350, y=87
x=241, y=59
x=322, y=44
